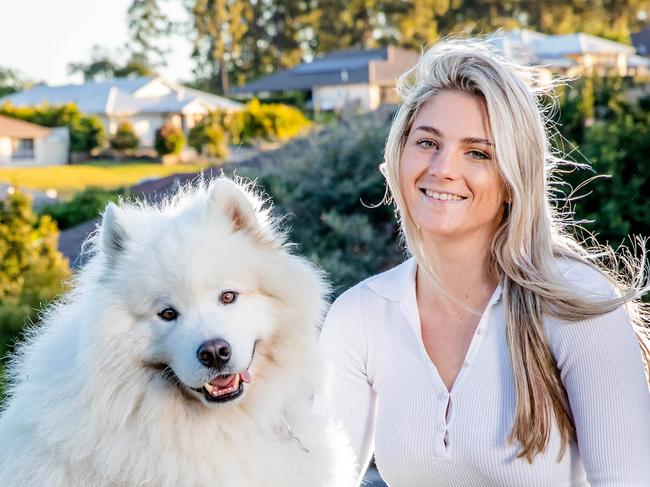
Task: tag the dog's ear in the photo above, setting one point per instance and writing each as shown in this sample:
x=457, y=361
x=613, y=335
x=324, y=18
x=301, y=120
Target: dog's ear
x=229, y=199
x=113, y=235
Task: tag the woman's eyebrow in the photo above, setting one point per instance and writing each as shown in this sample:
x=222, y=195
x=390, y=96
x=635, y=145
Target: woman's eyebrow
x=476, y=140
x=466, y=140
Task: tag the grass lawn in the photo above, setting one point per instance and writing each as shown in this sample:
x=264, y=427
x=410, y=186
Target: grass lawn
x=103, y=174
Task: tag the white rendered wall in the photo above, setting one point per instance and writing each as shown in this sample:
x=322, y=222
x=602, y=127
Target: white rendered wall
x=338, y=96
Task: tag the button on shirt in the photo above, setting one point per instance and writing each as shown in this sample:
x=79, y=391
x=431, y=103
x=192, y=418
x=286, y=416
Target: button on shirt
x=388, y=396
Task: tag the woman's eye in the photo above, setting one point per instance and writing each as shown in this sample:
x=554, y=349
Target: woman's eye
x=426, y=144
x=479, y=155
x=228, y=297
x=168, y=314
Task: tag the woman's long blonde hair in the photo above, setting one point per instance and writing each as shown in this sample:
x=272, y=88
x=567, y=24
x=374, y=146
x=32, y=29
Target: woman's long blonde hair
x=533, y=233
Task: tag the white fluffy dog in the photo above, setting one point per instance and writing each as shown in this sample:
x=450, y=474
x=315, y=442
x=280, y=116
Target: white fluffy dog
x=186, y=356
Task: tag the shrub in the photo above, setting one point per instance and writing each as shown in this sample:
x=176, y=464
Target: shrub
x=272, y=122
x=209, y=139
x=84, y=206
x=326, y=182
x=125, y=137
x=31, y=268
x=169, y=140
x=86, y=132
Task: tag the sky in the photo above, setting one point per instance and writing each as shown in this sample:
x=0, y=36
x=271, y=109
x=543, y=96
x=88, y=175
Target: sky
x=39, y=38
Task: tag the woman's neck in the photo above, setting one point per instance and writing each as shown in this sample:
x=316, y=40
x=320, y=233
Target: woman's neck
x=463, y=268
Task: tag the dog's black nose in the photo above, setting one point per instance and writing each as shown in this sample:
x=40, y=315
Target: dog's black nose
x=214, y=353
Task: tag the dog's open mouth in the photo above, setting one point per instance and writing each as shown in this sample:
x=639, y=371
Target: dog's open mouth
x=223, y=388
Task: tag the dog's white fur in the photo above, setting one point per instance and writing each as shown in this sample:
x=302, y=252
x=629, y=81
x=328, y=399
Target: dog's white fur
x=87, y=405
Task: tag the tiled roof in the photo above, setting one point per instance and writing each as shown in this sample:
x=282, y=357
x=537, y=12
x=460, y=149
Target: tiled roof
x=12, y=127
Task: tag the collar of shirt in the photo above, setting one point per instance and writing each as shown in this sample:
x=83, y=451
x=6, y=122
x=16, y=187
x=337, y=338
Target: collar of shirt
x=398, y=284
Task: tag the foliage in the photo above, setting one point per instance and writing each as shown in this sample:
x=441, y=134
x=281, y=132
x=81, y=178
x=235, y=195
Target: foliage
x=169, y=140
x=31, y=268
x=11, y=81
x=326, y=184
x=125, y=137
x=219, y=27
x=272, y=121
x=83, y=206
x=209, y=138
x=103, y=65
x=615, y=141
x=86, y=132
x=238, y=40
x=268, y=122
x=147, y=24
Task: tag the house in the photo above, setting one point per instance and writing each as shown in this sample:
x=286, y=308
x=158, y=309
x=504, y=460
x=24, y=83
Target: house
x=27, y=144
x=571, y=54
x=362, y=77
x=146, y=102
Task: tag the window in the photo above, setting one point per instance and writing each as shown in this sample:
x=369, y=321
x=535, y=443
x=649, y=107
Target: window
x=23, y=149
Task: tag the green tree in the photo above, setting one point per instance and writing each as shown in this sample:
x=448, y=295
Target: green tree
x=219, y=27
x=103, y=66
x=11, y=81
x=31, y=268
x=147, y=24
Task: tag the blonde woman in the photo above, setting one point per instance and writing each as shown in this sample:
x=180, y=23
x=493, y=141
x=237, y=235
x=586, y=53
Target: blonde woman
x=502, y=352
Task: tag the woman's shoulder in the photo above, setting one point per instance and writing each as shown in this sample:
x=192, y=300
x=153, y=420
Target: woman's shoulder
x=389, y=285
x=586, y=278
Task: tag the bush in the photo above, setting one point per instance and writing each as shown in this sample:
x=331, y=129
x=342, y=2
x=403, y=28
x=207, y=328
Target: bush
x=31, y=268
x=209, y=139
x=169, y=140
x=272, y=122
x=86, y=132
x=613, y=135
x=84, y=206
x=326, y=181
x=125, y=137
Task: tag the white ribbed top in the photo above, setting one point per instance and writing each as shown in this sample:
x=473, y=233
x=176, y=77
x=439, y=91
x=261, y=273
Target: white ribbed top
x=388, y=395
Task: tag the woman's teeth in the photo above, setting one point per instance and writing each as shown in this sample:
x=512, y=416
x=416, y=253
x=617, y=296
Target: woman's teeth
x=442, y=196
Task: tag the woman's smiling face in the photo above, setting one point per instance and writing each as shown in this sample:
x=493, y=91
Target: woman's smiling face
x=448, y=175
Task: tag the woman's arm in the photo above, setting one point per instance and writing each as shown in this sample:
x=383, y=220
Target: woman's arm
x=602, y=371
x=349, y=396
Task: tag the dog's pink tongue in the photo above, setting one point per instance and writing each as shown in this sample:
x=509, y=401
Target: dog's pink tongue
x=245, y=376
x=223, y=381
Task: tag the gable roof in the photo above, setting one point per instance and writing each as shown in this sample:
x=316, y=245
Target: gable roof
x=19, y=129
x=382, y=65
x=534, y=47
x=120, y=96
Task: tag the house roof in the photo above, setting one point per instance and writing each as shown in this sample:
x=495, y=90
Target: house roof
x=120, y=96
x=381, y=65
x=537, y=48
x=19, y=129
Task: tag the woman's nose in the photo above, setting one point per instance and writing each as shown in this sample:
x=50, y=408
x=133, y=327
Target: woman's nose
x=444, y=164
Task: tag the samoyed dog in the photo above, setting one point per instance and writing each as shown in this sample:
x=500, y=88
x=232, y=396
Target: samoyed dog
x=186, y=355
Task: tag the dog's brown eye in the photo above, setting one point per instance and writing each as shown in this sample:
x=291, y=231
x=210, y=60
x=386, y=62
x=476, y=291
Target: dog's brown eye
x=168, y=314
x=228, y=297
